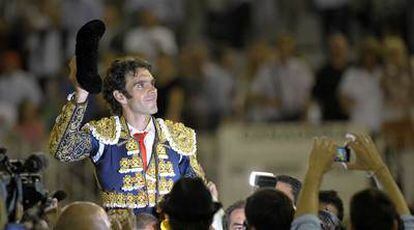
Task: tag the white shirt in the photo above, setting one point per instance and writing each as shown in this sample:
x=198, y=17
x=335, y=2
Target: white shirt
x=149, y=138
x=364, y=89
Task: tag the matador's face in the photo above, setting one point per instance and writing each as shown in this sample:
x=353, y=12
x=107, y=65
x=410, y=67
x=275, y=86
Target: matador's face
x=141, y=88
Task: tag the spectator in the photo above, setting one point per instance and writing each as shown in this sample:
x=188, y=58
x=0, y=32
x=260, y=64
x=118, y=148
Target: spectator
x=112, y=41
x=331, y=210
x=283, y=88
x=30, y=127
x=330, y=201
x=368, y=159
x=269, y=209
x=234, y=216
x=170, y=88
x=45, y=40
x=83, y=216
x=208, y=87
x=373, y=209
x=17, y=85
x=289, y=185
x=258, y=55
x=150, y=38
x=189, y=206
x=397, y=85
x=328, y=78
x=360, y=91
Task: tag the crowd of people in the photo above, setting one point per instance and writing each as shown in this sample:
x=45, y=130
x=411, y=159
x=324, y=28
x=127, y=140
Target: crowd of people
x=234, y=61
x=290, y=204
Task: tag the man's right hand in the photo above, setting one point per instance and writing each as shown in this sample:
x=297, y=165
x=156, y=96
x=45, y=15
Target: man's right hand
x=81, y=94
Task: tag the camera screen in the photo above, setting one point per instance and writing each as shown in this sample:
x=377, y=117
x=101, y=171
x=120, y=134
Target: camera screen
x=342, y=154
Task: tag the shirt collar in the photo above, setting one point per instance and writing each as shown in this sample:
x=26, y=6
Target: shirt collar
x=149, y=129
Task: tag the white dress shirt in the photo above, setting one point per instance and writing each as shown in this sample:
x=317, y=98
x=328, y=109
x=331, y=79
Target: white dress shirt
x=149, y=138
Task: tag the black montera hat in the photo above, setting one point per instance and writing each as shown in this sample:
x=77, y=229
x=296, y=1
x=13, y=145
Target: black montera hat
x=190, y=200
x=87, y=42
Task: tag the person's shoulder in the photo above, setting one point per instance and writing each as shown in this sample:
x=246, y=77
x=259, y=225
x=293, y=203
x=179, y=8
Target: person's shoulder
x=181, y=138
x=106, y=130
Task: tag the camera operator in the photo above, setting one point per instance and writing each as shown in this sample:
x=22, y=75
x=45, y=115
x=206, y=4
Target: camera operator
x=26, y=201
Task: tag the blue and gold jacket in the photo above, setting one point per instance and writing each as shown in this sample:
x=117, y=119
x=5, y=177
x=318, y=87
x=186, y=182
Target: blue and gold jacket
x=118, y=164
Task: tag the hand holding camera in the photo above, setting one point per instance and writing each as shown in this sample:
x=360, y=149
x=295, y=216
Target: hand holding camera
x=367, y=156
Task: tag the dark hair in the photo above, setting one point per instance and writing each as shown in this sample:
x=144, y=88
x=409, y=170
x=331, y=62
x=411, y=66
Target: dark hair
x=372, y=209
x=269, y=209
x=189, y=205
x=331, y=197
x=294, y=183
x=226, y=218
x=116, y=78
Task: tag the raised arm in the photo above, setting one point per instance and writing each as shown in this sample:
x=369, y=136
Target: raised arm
x=369, y=159
x=320, y=161
x=67, y=142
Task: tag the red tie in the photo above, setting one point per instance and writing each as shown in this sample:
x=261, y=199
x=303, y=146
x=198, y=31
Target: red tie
x=140, y=138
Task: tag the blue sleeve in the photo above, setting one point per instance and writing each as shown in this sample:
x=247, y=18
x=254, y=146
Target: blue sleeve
x=408, y=222
x=306, y=222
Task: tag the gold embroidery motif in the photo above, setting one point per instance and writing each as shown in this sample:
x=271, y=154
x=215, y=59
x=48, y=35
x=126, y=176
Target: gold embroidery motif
x=133, y=164
x=182, y=139
x=132, y=145
x=129, y=200
x=161, y=149
x=107, y=130
x=165, y=185
x=133, y=182
x=151, y=199
x=165, y=168
x=151, y=170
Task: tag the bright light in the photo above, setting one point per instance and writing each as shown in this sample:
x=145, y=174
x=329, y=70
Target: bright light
x=254, y=174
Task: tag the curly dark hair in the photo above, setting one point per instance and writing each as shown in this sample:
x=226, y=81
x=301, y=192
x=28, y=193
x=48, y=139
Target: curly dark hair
x=115, y=79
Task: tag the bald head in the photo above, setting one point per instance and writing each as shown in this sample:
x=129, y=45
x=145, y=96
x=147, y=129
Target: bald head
x=83, y=216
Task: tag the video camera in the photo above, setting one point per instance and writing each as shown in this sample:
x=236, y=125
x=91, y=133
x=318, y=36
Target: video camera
x=21, y=183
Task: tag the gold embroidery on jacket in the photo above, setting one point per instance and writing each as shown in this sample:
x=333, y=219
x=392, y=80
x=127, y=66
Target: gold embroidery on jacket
x=67, y=143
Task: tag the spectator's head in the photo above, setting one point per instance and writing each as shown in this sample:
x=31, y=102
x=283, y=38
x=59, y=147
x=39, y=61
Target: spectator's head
x=338, y=48
x=147, y=18
x=289, y=185
x=395, y=52
x=190, y=205
x=286, y=46
x=115, y=83
x=10, y=61
x=331, y=210
x=234, y=216
x=369, y=53
x=83, y=216
x=146, y=221
x=330, y=201
x=373, y=209
x=269, y=209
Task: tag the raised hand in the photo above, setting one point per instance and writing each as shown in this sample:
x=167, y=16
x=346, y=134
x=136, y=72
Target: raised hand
x=322, y=155
x=81, y=94
x=367, y=156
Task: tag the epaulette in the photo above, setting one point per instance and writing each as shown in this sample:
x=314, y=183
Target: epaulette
x=182, y=139
x=106, y=130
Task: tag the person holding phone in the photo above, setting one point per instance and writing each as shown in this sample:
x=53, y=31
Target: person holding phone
x=366, y=206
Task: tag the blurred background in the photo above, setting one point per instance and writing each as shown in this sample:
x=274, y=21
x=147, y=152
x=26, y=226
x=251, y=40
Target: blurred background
x=256, y=79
